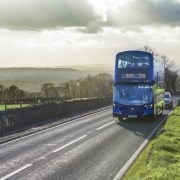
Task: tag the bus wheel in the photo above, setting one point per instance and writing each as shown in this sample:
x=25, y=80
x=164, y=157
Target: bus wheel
x=120, y=118
x=154, y=117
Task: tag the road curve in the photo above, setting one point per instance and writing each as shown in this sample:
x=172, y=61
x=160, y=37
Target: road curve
x=92, y=147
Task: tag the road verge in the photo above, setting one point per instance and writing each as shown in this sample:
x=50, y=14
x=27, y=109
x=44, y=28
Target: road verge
x=161, y=158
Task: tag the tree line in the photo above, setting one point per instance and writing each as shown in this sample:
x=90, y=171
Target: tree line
x=100, y=85
x=12, y=92
x=92, y=86
x=172, y=81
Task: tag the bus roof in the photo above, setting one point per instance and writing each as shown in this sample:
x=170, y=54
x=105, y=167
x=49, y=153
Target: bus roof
x=135, y=51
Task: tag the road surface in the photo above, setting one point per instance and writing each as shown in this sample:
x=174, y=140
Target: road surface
x=93, y=147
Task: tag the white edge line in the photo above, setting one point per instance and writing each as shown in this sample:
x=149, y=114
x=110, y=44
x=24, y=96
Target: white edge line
x=69, y=144
x=170, y=113
x=53, y=127
x=105, y=126
x=134, y=156
x=15, y=172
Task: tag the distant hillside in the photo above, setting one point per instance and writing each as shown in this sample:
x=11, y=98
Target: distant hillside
x=31, y=79
x=108, y=68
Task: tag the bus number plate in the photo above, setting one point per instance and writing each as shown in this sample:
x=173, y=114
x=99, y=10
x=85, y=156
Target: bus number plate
x=132, y=116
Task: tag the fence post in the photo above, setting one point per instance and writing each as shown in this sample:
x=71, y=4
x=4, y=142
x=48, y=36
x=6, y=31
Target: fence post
x=5, y=108
x=20, y=104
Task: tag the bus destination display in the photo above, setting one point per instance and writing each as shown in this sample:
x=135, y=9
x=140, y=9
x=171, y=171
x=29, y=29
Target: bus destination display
x=133, y=75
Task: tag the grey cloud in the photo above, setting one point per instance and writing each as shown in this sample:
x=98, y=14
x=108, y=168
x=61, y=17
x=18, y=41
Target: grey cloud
x=46, y=14
x=51, y=14
x=92, y=28
x=146, y=12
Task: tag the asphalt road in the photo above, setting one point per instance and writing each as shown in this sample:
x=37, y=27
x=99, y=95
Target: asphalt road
x=93, y=147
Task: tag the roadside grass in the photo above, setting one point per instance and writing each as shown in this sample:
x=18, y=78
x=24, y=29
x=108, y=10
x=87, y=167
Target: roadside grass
x=12, y=106
x=161, y=158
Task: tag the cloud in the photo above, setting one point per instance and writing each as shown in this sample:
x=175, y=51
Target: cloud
x=146, y=12
x=91, y=29
x=86, y=17
x=46, y=14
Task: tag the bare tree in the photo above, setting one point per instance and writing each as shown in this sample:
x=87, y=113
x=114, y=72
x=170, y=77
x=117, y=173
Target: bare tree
x=171, y=74
x=73, y=85
x=1, y=91
x=13, y=92
x=64, y=88
x=104, y=83
x=47, y=88
x=149, y=49
x=167, y=62
x=79, y=87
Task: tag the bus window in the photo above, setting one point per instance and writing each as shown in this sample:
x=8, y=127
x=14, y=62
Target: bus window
x=133, y=61
x=122, y=63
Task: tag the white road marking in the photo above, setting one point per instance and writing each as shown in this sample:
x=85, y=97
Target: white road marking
x=105, y=126
x=170, y=113
x=134, y=156
x=15, y=172
x=68, y=144
x=41, y=158
x=50, y=144
x=61, y=124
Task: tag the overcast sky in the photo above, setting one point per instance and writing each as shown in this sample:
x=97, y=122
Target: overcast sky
x=75, y=32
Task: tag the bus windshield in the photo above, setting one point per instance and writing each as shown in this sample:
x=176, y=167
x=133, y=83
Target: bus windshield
x=133, y=60
x=133, y=94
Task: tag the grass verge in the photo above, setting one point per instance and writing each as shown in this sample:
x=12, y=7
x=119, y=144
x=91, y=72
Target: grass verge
x=161, y=158
x=12, y=106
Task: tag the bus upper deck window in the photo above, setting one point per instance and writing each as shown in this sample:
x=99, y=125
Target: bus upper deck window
x=122, y=64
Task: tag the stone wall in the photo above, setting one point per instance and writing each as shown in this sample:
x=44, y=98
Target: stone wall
x=21, y=117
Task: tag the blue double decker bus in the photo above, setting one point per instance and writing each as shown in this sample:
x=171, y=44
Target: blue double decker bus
x=138, y=85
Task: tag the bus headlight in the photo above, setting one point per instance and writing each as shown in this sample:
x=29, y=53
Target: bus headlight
x=114, y=105
x=148, y=106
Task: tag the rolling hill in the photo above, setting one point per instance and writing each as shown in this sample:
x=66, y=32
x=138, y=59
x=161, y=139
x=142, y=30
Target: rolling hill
x=31, y=79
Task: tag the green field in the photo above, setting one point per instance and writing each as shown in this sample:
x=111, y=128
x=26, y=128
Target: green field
x=12, y=106
x=161, y=158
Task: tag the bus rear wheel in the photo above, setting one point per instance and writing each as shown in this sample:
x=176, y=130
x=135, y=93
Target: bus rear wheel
x=120, y=118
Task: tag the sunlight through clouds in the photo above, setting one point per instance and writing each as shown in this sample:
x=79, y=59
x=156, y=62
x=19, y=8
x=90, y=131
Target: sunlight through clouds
x=53, y=32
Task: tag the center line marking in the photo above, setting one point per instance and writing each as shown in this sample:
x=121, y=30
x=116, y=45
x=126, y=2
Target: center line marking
x=105, y=126
x=15, y=172
x=69, y=144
